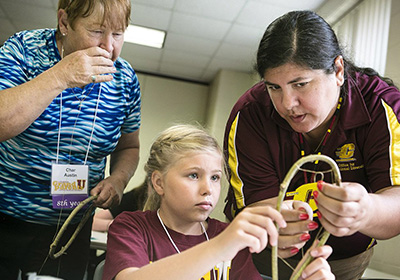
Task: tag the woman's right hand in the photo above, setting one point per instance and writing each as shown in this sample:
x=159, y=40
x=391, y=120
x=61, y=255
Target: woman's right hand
x=77, y=69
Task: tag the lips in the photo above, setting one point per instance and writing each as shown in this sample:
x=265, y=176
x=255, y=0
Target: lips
x=205, y=205
x=297, y=118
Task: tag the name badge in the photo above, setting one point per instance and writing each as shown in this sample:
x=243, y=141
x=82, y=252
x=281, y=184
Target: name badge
x=69, y=185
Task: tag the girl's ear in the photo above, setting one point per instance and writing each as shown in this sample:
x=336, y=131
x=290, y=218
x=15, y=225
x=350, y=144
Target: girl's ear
x=339, y=65
x=158, y=182
x=62, y=21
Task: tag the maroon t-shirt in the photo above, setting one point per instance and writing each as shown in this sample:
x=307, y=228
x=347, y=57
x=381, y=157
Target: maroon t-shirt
x=137, y=238
x=261, y=147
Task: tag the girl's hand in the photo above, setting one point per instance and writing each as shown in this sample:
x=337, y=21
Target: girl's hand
x=253, y=228
x=342, y=210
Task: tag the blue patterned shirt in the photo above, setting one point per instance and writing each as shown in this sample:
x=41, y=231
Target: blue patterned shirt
x=25, y=160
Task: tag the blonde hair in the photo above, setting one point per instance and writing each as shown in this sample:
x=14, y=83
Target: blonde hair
x=171, y=144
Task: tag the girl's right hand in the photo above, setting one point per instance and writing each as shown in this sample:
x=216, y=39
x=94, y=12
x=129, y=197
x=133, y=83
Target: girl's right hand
x=253, y=228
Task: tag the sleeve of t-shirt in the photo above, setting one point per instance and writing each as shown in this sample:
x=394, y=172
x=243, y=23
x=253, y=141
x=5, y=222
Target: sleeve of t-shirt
x=126, y=245
x=253, y=175
x=12, y=64
x=132, y=95
x=382, y=138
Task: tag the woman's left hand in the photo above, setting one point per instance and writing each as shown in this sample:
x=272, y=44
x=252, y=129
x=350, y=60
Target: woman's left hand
x=343, y=210
x=109, y=193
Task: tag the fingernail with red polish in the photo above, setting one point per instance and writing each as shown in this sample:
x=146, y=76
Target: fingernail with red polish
x=319, y=215
x=312, y=225
x=303, y=216
x=294, y=251
x=305, y=237
x=319, y=185
x=315, y=194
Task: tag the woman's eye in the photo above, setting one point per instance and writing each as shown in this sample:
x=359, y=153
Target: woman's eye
x=272, y=87
x=97, y=32
x=301, y=84
x=193, y=176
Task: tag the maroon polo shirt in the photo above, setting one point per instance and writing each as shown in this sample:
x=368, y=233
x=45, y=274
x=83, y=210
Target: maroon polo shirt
x=260, y=147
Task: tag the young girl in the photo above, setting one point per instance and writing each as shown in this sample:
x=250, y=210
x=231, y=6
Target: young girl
x=176, y=239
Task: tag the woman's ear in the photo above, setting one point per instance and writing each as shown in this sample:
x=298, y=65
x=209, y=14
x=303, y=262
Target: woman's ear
x=158, y=182
x=339, y=67
x=62, y=17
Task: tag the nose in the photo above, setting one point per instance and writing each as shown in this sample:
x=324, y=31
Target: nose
x=206, y=187
x=289, y=99
x=106, y=42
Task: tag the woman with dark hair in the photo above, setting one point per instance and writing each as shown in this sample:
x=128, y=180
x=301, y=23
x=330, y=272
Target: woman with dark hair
x=312, y=100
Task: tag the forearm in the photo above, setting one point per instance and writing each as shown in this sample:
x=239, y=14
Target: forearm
x=20, y=106
x=102, y=220
x=383, y=221
x=190, y=264
x=123, y=165
x=124, y=160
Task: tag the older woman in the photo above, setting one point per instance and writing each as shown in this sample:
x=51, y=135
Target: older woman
x=66, y=102
x=312, y=100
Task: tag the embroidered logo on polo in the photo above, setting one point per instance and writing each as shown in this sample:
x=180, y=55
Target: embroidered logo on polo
x=345, y=153
x=345, y=158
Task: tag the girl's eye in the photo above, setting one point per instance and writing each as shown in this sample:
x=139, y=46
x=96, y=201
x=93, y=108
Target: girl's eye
x=193, y=176
x=215, y=178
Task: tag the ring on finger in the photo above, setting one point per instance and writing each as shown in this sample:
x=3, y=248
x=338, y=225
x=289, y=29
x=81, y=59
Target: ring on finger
x=93, y=78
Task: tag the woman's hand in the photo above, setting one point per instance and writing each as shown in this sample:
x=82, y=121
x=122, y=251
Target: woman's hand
x=343, y=210
x=109, y=192
x=319, y=268
x=83, y=67
x=298, y=216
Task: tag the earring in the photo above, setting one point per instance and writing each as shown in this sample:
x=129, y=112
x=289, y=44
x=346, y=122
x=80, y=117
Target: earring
x=64, y=34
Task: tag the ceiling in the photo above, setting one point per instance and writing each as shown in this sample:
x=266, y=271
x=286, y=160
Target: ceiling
x=203, y=36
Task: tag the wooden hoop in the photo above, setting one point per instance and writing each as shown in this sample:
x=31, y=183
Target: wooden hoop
x=85, y=217
x=282, y=192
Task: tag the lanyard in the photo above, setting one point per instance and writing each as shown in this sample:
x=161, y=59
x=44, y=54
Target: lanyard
x=91, y=134
x=324, y=139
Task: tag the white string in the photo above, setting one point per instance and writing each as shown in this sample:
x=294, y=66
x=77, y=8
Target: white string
x=91, y=134
x=172, y=241
x=94, y=121
x=59, y=129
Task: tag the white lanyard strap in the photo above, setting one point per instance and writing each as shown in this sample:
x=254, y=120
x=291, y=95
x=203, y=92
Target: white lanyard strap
x=91, y=134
